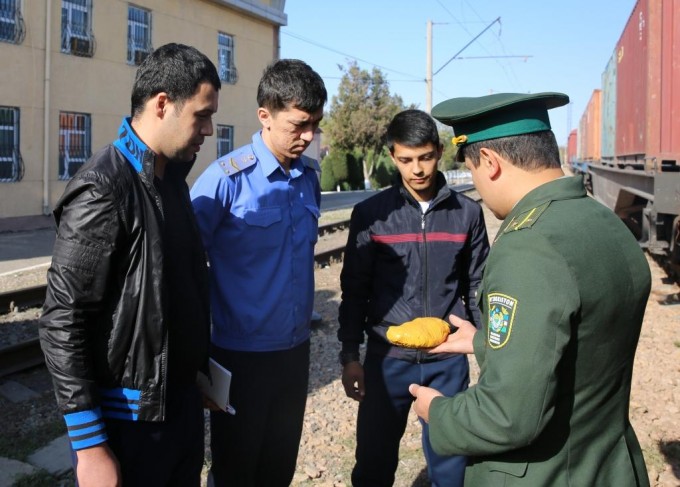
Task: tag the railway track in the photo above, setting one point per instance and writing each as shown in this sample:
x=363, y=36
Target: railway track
x=19, y=299
x=27, y=354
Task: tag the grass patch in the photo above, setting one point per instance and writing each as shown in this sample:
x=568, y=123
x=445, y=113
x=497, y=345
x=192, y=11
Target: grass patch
x=19, y=447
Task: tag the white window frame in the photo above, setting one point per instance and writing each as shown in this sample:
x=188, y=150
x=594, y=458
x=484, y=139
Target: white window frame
x=225, y=58
x=73, y=127
x=139, y=46
x=225, y=139
x=9, y=138
x=77, y=41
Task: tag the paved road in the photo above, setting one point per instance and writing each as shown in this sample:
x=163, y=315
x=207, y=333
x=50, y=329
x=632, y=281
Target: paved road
x=20, y=250
x=343, y=199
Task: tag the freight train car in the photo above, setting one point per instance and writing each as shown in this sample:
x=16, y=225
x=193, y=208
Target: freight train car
x=634, y=168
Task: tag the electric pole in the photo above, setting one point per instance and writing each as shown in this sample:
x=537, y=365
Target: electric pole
x=429, y=75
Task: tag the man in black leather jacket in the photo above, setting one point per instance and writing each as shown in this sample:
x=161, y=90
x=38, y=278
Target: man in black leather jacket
x=414, y=250
x=125, y=326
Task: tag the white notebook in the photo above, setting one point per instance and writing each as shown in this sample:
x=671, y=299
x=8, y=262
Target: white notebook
x=218, y=389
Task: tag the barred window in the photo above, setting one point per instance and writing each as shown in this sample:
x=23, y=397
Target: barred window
x=11, y=164
x=75, y=139
x=76, y=27
x=12, y=27
x=225, y=57
x=225, y=139
x=139, y=35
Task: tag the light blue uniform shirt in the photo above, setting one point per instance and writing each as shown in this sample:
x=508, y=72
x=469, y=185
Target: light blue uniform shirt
x=259, y=226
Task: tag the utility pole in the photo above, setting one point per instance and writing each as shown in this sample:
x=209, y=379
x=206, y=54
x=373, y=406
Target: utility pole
x=428, y=75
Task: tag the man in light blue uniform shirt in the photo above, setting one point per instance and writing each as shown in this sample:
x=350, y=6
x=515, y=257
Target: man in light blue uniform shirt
x=257, y=209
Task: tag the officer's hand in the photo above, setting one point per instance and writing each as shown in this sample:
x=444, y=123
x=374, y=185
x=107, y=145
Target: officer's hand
x=461, y=340
x=353, y=380
x=424, y=396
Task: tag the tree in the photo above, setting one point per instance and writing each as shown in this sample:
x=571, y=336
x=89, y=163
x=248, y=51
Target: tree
x=385, y=172
x=328, y=182
x=448, y=160
x=340, y=168
x=360, y=113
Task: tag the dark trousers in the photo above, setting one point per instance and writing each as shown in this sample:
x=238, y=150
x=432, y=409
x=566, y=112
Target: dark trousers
x=384, y=411
x=167, y=453
x=258, y=446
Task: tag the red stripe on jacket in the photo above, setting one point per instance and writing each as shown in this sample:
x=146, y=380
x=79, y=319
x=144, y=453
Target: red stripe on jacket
x=418, y=237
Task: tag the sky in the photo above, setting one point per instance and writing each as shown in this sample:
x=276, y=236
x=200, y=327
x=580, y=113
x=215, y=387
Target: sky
x=535, y=46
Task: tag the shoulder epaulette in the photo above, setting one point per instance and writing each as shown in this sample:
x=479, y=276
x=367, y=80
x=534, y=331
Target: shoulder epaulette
x=526, y=219
x=311, y=163
x=235, y=162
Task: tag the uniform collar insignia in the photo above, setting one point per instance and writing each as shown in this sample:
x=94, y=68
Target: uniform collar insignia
x=523, y=220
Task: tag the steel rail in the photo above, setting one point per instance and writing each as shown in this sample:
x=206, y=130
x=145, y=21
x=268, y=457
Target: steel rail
x=17, y=299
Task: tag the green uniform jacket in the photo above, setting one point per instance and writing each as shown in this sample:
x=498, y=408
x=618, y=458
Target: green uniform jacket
x=562, y=300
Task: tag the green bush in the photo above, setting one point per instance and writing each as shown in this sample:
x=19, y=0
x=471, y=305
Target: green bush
x=328, y=181
x=341, y=168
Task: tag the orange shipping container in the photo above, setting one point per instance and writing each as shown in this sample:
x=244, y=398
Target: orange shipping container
x=571, y=147
x=590, y=130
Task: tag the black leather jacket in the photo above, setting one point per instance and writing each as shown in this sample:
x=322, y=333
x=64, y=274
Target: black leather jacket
x=103, y=330
x=401, y=264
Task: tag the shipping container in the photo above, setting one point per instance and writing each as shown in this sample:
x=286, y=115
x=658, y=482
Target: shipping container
x=641, y=118
x=608, y=145
x=648, y=85
x=571, y=147
x=590, y=129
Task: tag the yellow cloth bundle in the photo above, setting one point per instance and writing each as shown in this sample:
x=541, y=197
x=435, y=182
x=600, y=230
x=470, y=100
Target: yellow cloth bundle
x=419, y=333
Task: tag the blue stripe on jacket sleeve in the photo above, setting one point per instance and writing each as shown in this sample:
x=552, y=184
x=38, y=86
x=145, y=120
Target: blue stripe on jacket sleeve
x=85, y=428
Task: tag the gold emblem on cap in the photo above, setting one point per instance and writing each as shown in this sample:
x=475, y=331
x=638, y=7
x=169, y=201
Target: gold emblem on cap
x=461, y=139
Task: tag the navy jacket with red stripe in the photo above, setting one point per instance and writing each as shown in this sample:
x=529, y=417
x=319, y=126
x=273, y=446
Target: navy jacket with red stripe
x=401, y=263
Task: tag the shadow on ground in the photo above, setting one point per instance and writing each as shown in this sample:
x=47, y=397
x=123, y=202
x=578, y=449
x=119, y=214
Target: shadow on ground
x=671, y=450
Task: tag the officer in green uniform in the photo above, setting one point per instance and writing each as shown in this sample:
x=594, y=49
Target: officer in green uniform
x=562, y=299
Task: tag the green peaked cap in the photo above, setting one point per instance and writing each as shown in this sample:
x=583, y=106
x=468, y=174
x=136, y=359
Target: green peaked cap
x=497, y=115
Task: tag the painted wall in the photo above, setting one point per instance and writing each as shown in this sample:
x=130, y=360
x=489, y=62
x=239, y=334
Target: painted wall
x=101, y=85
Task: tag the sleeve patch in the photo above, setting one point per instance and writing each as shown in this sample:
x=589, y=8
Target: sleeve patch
x=501, y=315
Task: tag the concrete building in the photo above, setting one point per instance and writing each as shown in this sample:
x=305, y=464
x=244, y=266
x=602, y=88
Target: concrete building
x=68, y=72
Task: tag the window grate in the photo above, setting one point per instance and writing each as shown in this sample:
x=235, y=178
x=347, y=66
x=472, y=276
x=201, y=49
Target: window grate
x=12, y=27
x=11, y=162
x=225, y=57
x=225, y=140
x=76, y=28
x=139, y=35
x=75, y=136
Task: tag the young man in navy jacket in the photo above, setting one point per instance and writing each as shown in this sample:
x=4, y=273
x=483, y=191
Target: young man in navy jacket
x=414, y=250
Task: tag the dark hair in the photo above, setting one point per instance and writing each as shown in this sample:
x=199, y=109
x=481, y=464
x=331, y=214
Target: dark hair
x=537, y=150
x=291, y=82
x=412, y=128
x=175, y=69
